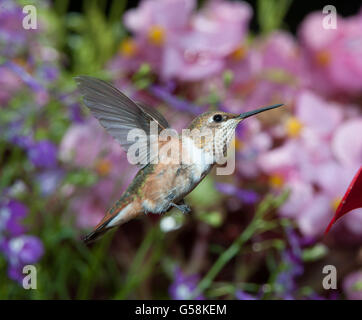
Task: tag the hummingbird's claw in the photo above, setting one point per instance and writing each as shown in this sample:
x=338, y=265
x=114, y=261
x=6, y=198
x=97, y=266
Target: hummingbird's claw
x=184, y=208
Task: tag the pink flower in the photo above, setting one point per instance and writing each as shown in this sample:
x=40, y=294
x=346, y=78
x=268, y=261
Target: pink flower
x=317, y=115
x=316, y=163
x=312, y=220
x=245, y=65
x=347, y=149
x=216, y=32
x=222, y=26
x=268, y=71
x=334, y=55
x=251, y=142
x=185, y=62
x=171, y=15
x=155, y=24
x=281, y=52
x=283, y=160
x=9, y=84
x=347, y=143
x=332, y=177
x=90, y=208
x=84, y=143
x=182, y=45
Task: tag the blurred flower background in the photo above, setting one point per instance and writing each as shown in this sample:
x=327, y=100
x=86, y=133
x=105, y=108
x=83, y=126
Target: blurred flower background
x=256, y=234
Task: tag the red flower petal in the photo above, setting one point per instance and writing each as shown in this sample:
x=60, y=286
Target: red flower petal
x=352, y=199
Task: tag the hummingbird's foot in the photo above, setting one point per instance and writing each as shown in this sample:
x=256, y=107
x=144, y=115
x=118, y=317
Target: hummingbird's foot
x=184, y=208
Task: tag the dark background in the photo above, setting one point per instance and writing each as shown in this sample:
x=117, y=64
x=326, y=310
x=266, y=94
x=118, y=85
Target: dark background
x=298, y=9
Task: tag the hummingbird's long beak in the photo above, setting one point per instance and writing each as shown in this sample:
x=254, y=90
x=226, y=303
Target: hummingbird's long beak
x=251, y=113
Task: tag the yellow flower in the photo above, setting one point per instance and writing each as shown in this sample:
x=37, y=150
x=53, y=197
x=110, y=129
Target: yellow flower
x=156, y=35
x=104, y=167
x=323, y=58
x=128, y=47
x=293, y=127
x=239, y=53
x=238, y=144
x=276, y=181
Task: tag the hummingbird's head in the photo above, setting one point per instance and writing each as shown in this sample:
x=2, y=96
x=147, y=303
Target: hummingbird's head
x=221, y=125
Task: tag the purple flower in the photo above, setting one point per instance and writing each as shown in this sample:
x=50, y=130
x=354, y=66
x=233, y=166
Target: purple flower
x=293, y=269
x=242, y=295
x=21, y=251
x=293, y=266
x=76, y=113
x=183, y=286
x=41, y=93
x=14, y=134
x=13, y=37
x=49, y=73
x=315, y=296
x=11, y=214
x=24, y=142
x=173, y=101
x=246, y=196
x=49, y=181
x=43, y=154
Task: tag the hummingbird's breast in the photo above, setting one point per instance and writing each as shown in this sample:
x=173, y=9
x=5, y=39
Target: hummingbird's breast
x=199, y=160
x=172, y=181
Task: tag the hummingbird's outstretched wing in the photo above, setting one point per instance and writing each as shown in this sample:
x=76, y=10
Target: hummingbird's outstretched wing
x=118, y=114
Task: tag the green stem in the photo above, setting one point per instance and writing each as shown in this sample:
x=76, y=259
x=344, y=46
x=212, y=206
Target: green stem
x=139, y=269
x=95, y=263
x=256, y=225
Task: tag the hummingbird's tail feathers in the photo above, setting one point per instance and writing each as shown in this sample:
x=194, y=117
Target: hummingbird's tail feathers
x=119, y=214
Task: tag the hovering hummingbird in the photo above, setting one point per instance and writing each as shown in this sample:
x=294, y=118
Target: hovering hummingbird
x=158, y=186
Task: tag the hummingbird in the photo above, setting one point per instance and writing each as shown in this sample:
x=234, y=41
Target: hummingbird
x=158, y=186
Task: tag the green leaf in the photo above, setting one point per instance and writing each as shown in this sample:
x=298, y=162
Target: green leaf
x=81, y=177
x=205, y=194
x=315, y=253
x=213, y=218
x=228, y=77
x=270, y=13
x=357, y=286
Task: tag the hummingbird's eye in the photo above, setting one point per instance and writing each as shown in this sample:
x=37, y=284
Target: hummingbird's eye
x=217, y=117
